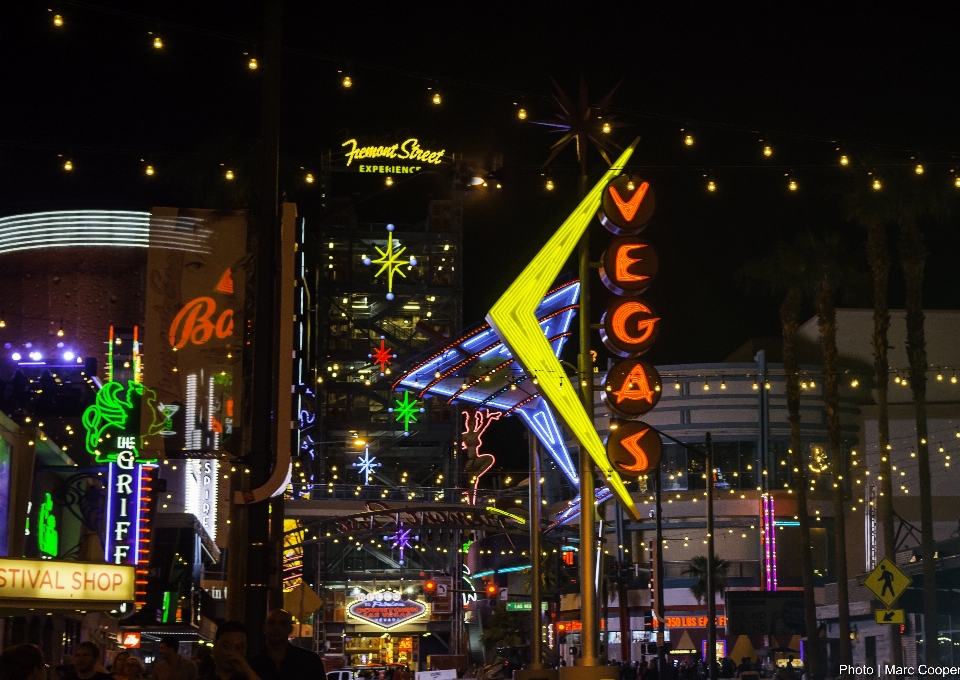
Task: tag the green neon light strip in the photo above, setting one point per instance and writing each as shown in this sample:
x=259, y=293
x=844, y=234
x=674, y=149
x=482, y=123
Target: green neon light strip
x=167, y=605
x=517, y=518
x=514, y=319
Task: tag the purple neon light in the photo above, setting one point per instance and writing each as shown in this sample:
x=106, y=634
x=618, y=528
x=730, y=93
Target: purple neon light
x=768, y=518
x=106, y=554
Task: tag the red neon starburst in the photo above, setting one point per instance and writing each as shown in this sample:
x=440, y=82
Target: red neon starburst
x=382, y=356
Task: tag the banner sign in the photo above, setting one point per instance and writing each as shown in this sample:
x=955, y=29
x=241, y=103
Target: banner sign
x=386, y=609
x=397, y=159
x=72, y=582
x=764, y=613
x=194, y=331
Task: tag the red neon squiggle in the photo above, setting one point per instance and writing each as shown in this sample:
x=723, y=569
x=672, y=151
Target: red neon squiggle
x=475, y=424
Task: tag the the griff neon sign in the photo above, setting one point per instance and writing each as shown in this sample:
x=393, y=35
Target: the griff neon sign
x=386, y=609
x=127, y=496
x=514, y=319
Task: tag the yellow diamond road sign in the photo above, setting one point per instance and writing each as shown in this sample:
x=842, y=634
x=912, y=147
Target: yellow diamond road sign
x=887, y=581
x=888, y=616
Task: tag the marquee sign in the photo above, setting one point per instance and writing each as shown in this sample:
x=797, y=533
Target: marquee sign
x=628, y=266
x=634, y=448
x=631, y=388
x=386, y=609
x=70, y=582
x=627, y=205
x=409, y=151
x=630, y=326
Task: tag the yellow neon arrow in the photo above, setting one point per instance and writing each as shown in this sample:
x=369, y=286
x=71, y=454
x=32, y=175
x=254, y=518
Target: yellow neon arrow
x=514, y=319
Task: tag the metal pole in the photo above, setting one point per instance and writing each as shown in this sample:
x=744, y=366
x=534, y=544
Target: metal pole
x=658, y=570
x=711, y=597
x=624, y=613
x=588, y=541
x=536, y=653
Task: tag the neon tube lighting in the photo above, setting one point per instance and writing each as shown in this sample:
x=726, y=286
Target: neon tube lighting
x=101, y=228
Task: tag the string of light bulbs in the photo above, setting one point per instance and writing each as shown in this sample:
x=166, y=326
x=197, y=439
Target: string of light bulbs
x=346, y=77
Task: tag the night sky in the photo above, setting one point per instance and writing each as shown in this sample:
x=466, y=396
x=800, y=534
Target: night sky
x=875, y=84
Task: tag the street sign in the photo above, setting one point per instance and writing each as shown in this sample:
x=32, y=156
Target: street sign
x=504, y=595
x=524, y=606
x=887, y=582
x=889, y=616
x=441, y=589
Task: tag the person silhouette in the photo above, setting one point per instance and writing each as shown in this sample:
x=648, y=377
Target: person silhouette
x=887, y=578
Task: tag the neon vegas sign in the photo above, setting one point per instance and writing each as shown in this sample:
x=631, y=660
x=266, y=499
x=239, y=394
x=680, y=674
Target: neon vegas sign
x=386, y=609
x=409, y=150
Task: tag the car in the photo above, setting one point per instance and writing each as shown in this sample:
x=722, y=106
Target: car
x=342, y=674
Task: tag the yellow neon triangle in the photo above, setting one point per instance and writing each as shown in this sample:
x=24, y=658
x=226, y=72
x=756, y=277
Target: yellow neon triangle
x=513, y=318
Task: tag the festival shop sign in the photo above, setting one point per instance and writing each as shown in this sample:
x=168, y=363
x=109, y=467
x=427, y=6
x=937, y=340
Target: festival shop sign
x=386, y=609
x=74, y=583
x=193, y=333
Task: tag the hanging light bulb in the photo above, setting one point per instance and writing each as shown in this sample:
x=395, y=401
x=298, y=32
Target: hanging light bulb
x=688, y=140
x=606, y=128
x=157, y=42
x=549, y=185
x=229, y=174
x=939, y=376
x=956, y=181
x=767, y=151
x=630, y=185
x=854, y=383
x=388, y=181
x=347, y=81
x=676, y=385
x=813, y=383
x=897, y=379
x=953, y=378
x=522, y=114
x=536, y=381
x=253, y=64
x=844, y=160
x=723, y=384
x=149, y=170
x=711, y=186
x=876, y=184
x=513, y=386
x=755, y=385
x=3, y=324
x=706, y=385
x=57, y=20
x=803, y=385
x=464, y=384
x=766, y=385
x=436, y=98
x=68, y=166
x=792, y=185
x=309, y=178
x=918, y=169
x=60, y=330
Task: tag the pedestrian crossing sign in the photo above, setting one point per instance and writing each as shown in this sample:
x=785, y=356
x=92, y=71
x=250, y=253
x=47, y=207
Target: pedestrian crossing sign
x=887, y=582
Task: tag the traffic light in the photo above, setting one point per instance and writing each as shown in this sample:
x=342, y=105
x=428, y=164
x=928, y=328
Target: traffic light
x=493, y=593
x=562, y=633
x=429, y=589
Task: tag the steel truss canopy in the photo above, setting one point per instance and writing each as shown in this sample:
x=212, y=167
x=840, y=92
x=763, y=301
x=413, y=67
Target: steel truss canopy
x=479, y=370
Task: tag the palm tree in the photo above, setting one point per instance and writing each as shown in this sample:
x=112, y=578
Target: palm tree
x=904, y=203
x=786, y=270
x=831, y=275
x=698, y=570
x=913, y=257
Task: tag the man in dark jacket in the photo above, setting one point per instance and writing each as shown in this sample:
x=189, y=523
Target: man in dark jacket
x=282, y=660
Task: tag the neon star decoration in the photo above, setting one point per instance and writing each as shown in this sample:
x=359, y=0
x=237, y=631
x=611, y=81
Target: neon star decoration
x=406, y=410
x=367, y=465
x=390, y=261
x=514, y=318
x=382, y=356
x=401, y=540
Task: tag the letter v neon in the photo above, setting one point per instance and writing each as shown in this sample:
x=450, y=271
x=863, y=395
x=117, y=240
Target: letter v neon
x=629, y=208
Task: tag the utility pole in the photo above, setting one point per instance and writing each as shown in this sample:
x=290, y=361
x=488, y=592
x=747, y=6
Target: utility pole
x=536, y=642
x=711, y=559
x=262, y=550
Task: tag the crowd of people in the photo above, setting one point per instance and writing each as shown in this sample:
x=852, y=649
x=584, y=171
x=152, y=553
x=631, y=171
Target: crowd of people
x=227, y=660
